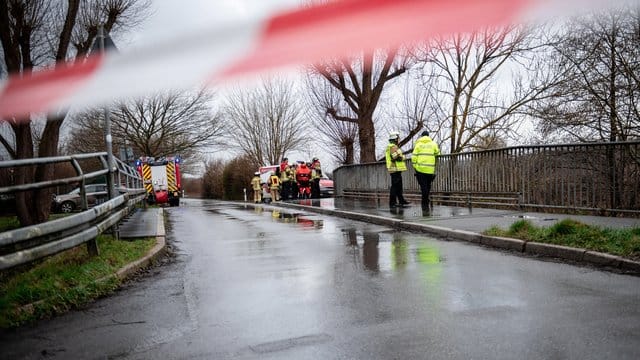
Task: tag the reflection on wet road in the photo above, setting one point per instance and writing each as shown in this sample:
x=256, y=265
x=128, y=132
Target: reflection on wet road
x=279, y=284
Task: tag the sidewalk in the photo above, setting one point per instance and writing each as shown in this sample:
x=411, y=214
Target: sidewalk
x=463, y=224
x=462, y=218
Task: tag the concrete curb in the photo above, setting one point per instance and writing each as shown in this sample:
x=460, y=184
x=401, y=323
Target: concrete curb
x=556, y=251
x=602, y=260
x=503, y=243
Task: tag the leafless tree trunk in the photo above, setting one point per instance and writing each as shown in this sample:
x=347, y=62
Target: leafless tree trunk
x=267, y=122
x=360, y=81
x=35, y=33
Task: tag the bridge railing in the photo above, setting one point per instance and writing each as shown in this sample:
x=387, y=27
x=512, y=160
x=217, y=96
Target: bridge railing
x=592, y=177
x=27, y=244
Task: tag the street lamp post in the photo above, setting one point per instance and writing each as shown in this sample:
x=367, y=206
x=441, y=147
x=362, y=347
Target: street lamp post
x=108, y=139
x=107, y=130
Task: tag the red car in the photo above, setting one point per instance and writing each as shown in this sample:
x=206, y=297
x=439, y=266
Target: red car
x=326, y=187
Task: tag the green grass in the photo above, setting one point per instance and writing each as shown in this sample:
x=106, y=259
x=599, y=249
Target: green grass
x=568, y=232
x=8, y=223
x=65, y=281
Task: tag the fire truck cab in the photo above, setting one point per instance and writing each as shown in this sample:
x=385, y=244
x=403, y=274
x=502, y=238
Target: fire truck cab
x=161, y=177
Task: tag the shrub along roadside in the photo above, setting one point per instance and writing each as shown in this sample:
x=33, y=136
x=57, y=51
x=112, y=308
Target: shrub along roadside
x=66, y=280
x=568, y=232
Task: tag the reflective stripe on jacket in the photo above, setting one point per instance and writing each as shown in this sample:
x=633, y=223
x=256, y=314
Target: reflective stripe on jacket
x=424, y=154
x=274, y=181
x=395, y=158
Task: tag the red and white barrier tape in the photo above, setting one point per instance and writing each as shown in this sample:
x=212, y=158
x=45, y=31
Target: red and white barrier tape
x=300, y=36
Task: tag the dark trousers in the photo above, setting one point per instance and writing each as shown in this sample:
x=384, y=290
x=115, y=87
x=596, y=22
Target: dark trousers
x=425, y=180
x=285, y=194
x=315, y=189
x=395, y=192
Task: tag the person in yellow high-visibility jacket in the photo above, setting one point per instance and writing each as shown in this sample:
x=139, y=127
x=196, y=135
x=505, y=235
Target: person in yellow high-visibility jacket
x=274, y=185
x=257, y=188
x=423, y=160
x=395, y=166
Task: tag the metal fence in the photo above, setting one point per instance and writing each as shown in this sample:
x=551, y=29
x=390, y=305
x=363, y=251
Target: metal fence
x=24, y=245
x=591, y=177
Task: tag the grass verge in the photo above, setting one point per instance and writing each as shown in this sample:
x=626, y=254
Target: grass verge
x=9, y=223
x=568, y=232
x=65, y=281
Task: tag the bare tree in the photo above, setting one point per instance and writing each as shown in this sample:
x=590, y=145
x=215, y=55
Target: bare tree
x=360, y=80
x=37, y=33
x=415, y=109
x=337, y=137
x=469, y=71
x=266, y=122
x=172, y=123
x=598, y=95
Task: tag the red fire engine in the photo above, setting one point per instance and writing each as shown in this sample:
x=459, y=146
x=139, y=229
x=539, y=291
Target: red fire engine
x=161, y=178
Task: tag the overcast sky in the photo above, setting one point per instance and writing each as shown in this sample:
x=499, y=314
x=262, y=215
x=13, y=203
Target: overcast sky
x=191, y=15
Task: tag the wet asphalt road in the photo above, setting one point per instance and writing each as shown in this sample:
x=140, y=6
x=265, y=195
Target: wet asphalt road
x=263, y=284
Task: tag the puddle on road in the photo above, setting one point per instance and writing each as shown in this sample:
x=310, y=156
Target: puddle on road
x=305, y=221
x=375, y=249
x=389, y=251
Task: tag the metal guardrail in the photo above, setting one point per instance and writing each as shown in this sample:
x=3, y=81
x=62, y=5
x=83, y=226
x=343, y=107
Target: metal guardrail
x=599, y=178
x=24, y=245
x=27, y=244
x=126, y=176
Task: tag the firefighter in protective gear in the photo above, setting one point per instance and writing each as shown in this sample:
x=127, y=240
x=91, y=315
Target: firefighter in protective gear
x=285, y=182
x=303, y=177
x=423, y=160
x=257, y=188
x=284, y=165
x=274, y=186
x=293, y=183
x=395, y=165
x=316, y=175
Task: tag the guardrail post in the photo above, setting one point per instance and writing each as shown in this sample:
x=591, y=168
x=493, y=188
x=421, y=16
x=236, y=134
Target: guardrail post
x=520, y=200
x=92, y=247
